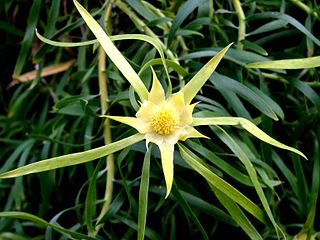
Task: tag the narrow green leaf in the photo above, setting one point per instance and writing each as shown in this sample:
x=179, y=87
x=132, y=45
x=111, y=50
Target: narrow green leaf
x=40, y=221
x=311, y=94
x=314, y=193
x=237, y=214
x=247, y=125
x=169, y=63
x=9, y=28
x=189, y=211
x=73, y=159
x=237, y=150
x=153, y=41
x=254, y=47
x=28, y=37
x=207, y=208
x=143, y=195
x=300, y=63
x=113, y=53
x=53, y=17
x=220, y=184
x=65, y=44
x=91, y=199
x=149, y=233
x=196, y=83
x=182, y=14
x=221, y=163
x=140, y=8
x=227, y=84
x=270, y=26
x=289, y=19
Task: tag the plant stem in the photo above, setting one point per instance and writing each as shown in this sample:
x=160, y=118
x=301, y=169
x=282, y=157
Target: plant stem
x=142, y=27
x=106, y=128
x=242, y=23
x=305, y=8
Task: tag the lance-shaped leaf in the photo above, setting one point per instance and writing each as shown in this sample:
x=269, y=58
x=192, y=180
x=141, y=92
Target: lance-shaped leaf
x=153, y=41
x=247, y=125
x=113, y=53
x=196, y=83
x=73, y=159
x=300, y=63
x=222, y=185
x=40, y=221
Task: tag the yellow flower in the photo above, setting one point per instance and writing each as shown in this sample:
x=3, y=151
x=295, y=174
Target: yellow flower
x=163, y=122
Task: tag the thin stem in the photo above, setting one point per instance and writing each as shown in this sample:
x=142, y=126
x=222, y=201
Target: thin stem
x=106, y=128
x=242, y=22
x=305, y=8
x=142, y=27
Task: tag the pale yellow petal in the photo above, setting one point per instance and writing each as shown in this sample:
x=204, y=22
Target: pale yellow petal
x=154, y=138
x=131, y=121
x=166, y=151
x=186, y=115
x=156, y=94
x=146, y=111
x=190, y=132
x=174, y=137
x=176, y=101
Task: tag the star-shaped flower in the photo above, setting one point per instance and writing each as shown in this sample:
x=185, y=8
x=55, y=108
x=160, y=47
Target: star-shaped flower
x=163, y=122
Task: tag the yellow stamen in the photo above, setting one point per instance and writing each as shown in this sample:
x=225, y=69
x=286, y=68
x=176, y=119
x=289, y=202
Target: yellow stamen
x=164, y=121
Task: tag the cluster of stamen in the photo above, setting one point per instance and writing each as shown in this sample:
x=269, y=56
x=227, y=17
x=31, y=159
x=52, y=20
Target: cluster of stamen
x=164, y=121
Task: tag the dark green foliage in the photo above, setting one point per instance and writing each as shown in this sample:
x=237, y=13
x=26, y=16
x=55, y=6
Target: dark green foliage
x=59, y=114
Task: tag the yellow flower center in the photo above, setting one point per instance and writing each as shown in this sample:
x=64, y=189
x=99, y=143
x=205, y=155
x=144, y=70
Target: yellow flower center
x=164, y=121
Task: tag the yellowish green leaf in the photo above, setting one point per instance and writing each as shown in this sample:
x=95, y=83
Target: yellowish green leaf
x=300, y=63
x=73, y=159
x=196, y=83
x=247, y=125
x=113, y=53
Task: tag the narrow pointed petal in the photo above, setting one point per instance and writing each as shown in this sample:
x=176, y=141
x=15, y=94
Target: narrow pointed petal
x=177, y=100
x=113, y=53
x=131, y=121
x=196, y=83
x=146, y=111
x=156, y=95
x=191, y=132
x=186, y=115
x=247, y=125
x=166, y=151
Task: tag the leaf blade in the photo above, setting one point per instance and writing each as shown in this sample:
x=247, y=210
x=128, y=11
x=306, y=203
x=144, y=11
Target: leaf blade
x=72, y=159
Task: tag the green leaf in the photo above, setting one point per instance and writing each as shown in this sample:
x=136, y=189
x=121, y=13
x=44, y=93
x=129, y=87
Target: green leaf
x=237, y=214
x=247, y=125
x=311, y=94
x=270, y=26
x=221, y=163
x=113, y=53
x=196, y=83
x=300, y=63
x=182, y=14
x=73, y=159
x=289, y=19
x=237, y=150
x=220, y=184
x=28, y=37
x=229, y=85
x=169, y=63
x=40, y=221
x=189, y=211
x=143, y=195
x=153, y=41
x=91, y=199
x=207, y=208
x=254, y=47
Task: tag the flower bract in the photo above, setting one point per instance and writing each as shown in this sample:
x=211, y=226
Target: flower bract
x=163, y=121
